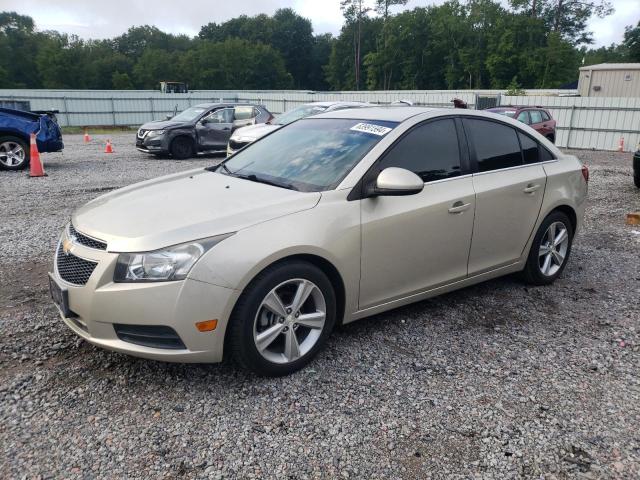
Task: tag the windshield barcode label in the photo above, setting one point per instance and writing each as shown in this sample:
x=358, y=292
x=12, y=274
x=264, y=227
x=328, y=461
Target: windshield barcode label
x=371, y=128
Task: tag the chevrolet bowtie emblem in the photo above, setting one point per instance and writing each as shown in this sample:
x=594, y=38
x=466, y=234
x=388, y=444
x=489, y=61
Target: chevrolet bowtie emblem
x=66, y=246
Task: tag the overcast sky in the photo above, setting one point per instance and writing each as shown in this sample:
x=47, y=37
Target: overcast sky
x=104, y=19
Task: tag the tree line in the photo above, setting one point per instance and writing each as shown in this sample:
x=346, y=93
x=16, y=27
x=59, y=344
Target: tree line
x=455, y=45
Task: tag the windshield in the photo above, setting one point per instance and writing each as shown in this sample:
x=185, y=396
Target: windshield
x=298, y=113
x=189, y=114
x=311, y=155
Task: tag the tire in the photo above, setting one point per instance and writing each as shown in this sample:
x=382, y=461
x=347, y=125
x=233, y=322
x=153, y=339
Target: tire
x=551, y=138
x=181, y=148
x=11, y=161
x=253, y=322
x=537, y=271
x=636, y=180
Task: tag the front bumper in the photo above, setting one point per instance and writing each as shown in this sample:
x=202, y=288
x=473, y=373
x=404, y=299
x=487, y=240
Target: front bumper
x=151, y=145
x=100, y=304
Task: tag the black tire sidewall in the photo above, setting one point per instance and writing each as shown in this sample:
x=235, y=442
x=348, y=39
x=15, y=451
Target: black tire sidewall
x=181, y=148
x=242, y=319
x=25, y=146
x=532, y=271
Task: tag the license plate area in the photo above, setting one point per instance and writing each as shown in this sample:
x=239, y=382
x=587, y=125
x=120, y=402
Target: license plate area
x=60, y=296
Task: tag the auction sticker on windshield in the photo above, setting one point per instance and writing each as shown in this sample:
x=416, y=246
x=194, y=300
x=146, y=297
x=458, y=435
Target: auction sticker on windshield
x=371, y=128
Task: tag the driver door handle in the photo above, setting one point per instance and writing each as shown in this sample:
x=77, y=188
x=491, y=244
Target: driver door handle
x=531, y=188
x=459, y=207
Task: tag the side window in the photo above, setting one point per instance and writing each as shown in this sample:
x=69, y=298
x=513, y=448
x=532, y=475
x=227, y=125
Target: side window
x=545, y=155
x=545, y=116
x=536, y=116
x=524, y=117
x=496, y=144
x=530, y=150
x=224, y=115
x=430, y=150
x=244, y=113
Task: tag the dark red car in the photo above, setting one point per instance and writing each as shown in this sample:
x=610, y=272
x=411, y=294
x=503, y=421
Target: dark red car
x=537, y=118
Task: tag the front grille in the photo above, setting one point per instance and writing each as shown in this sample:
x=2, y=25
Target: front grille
x=82, y=239
x=154, y=336
x=73, y=269
x=237, y=145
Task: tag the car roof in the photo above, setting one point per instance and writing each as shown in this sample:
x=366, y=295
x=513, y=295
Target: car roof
x=333, y=103
x=213, y=105
x=388, y=114
x=502, y=108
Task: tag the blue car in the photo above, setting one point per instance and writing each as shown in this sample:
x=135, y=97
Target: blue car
x=16, y=128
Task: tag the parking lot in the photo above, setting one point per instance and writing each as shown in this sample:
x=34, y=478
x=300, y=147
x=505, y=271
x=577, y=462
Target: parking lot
x=499, y=380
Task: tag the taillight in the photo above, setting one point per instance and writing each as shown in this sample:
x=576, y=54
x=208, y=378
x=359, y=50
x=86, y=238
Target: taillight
x=585, y=173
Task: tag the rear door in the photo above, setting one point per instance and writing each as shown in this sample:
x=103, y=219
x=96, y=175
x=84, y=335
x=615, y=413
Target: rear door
x=416, y=242
x=214, y=129
x=509, y=195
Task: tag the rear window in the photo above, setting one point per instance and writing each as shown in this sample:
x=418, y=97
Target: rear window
x=545, y=115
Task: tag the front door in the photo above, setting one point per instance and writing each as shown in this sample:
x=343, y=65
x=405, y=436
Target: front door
x=413, y=243
x=214, y=129
x=509, y=195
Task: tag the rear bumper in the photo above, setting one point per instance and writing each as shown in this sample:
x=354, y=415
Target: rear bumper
x=48, y=146
x=101, y=304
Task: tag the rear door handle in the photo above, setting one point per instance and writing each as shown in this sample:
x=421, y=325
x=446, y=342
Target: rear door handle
x=531, y=188
x=459, y=207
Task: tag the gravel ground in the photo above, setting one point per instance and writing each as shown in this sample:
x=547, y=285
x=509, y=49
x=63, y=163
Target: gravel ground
x=497, y=381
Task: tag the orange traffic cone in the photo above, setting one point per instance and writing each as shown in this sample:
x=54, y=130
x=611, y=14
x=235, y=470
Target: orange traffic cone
x=621, y=144
x=87, y=138
x=36, y=169
x=108, y=148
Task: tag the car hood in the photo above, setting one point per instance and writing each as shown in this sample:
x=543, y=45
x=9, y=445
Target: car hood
x=254, y=132
x=183, y=207
x=162, y=124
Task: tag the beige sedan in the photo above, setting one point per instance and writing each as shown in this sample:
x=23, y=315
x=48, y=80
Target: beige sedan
x=328, y=220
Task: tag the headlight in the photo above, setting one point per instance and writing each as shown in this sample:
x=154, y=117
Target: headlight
x=172, y=263
x=156, y=133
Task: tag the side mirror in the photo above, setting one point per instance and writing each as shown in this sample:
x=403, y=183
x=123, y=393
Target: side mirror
x=169, y=117
x=395, y=181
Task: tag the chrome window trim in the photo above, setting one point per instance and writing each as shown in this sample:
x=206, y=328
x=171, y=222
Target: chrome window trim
x=514, y=168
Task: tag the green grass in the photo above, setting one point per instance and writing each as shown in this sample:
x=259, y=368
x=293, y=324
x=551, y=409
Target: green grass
x=96, y=130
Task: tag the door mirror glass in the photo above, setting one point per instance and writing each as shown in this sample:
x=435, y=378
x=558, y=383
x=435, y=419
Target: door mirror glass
x=394, y=181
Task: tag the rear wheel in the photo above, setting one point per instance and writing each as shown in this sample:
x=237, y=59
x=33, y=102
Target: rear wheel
x=14, y=153
x=550, y=250
x=551, y=138
x=181, y=148
x=636, y=180
x=283, y=319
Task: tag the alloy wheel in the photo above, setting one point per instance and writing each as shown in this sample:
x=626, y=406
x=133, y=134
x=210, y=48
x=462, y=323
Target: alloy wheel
x=11, y=154
x=289, y=321
x=553, y=249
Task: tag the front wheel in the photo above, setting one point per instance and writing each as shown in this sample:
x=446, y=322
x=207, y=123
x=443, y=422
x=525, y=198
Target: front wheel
x=550, y=250
x=282, y=319
x=181, y=148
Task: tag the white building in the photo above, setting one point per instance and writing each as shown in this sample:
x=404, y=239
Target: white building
x=610, y=80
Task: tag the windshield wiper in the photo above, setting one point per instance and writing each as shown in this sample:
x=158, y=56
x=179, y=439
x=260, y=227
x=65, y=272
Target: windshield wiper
x=215, y=168
x=255, y=178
